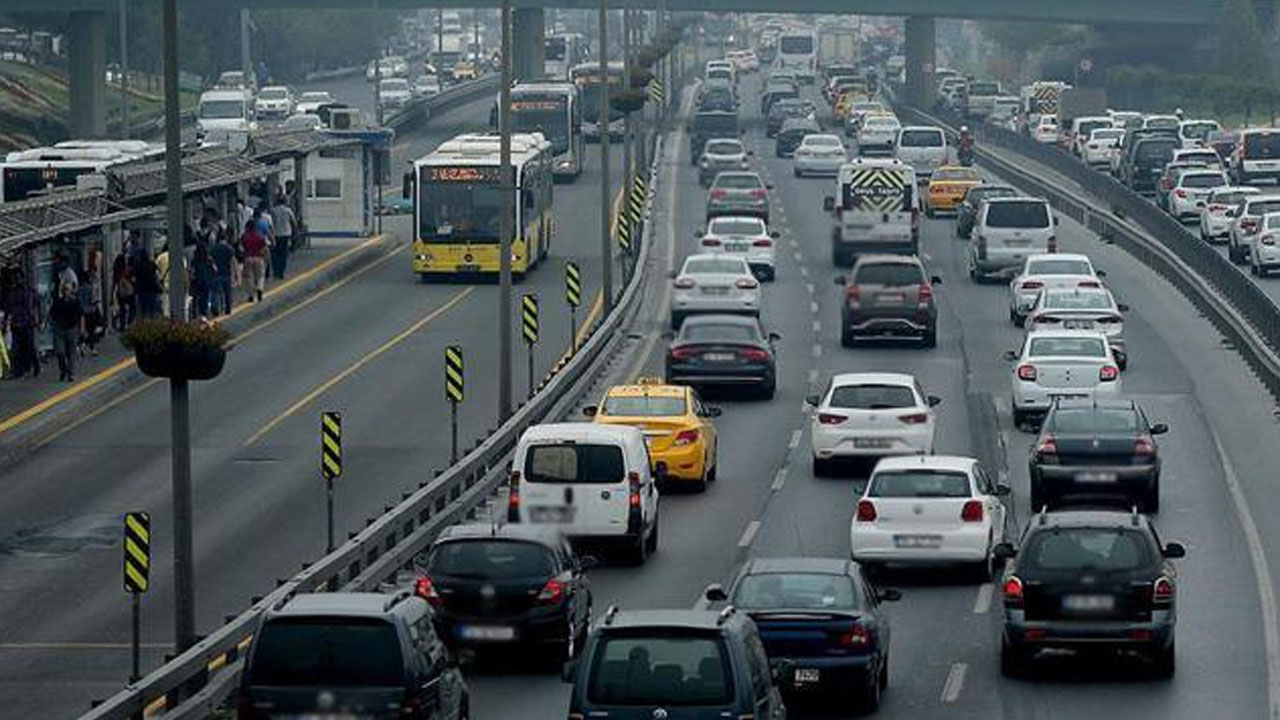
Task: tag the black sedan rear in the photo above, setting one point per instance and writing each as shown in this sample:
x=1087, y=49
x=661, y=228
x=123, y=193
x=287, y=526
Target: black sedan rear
x=723, y=350
x=822, y=626
x=792, y=134
x=1096, y=451
x=495, y=587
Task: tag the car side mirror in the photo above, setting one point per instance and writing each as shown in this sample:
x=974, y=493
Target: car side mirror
x=673, y=274
x=751, y=152
x=1003, y=490
x=829, y=204
x=840, y=280
x=697, y=234
x=668, y=335
x=715, y=593
x=813, y=400
x=1174, y=550
x=768, y=186
x=775, y=234
x=590, y=410
x=1122, y=307
x=1159, y=429
x=1010, y=355
x=935, y=279
x=1003, y=551
x=934, y=401
x=1100, y=273
x=586, y=562
x=568, y=670
x=712, y=412
x=888, y=595
x=775, y=336
x=1057, y=221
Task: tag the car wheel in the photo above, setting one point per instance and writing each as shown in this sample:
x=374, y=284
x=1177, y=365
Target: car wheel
x=870, y=700
x=795, y=171
x=713, y=473
x=928, y=212
x=884, y=673
x=930, y=339
x=651, y=544
x=1164, y=661
x=639, y=550
x=1037, y=497
x=768, y=388
x=1013, y=659
x=1151, y=499
x=1233, y=253
x=821, y=467
x=1122, y=362
x=985, y=570
x=1253, y=270
x=846, y=337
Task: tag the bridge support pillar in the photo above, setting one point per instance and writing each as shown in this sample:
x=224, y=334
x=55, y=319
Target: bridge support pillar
x=921, y=52
x=528, y=38
x=87, y=70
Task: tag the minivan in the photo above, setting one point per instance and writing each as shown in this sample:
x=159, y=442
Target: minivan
x=1146, y=160
x=591, y=481
x=1007, y=231
x=923, y=148
x=1257, y=156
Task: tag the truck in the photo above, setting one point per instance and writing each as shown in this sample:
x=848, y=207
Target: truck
x=980, y=98
x=1040, y=98
x=1078, y=102
x=837, y=45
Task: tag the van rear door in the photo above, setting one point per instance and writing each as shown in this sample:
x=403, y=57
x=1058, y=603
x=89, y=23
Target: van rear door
x=580, y=486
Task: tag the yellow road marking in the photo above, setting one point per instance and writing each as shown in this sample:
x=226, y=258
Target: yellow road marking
x=357, y=365
x=83, y=386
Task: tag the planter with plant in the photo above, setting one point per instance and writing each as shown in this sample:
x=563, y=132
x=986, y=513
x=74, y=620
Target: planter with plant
x=185, y=350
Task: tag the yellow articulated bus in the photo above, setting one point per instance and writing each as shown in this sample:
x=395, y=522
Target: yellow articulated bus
x=457, y=200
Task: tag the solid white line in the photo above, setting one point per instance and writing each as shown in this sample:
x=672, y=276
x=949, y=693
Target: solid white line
x=779, y=479
x=954, y=685
x=795, y=439
x=799, y=257
x=809, y=287
x=982, y=604
x=749, y=534
x=795, y=244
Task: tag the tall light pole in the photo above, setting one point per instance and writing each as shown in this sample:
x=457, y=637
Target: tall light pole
x=606, y=241
x=124, y=69
x=505, y=224
x=628, y=160
x=246, y=55
x=184, y=598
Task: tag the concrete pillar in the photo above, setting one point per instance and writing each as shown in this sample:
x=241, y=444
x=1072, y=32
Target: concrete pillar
x=528, y=43
x=921, y=51
x=87, y=70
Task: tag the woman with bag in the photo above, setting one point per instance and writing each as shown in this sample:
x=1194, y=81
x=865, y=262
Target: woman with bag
x=91, y=306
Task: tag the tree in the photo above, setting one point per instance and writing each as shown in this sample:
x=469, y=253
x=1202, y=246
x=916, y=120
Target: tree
x=1241, y=47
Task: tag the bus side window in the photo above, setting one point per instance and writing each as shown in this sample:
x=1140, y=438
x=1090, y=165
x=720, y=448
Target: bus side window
x=529, y=198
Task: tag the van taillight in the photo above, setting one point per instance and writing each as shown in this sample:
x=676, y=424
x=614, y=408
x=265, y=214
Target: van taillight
x=1013, y=596
x=513, y=497
x=633, y=484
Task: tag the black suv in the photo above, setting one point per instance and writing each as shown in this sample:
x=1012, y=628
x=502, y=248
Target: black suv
x=686, y=664
x=890, y=297
x=1088, y=580
x=1096, y=450
x=514, y=584
x=368, y=655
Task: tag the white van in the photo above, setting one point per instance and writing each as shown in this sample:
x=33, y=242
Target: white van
x=592, y=481
x=223, y=112
x=923, y=147
x=1007, y=231
x=876, y=208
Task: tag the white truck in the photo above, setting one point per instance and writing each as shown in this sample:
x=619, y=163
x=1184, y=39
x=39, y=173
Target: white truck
x=837, y=45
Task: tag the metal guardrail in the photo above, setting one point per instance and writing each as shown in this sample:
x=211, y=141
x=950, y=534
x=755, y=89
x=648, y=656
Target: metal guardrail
x=444, y=101
x=1227, y=296
x=203, y=675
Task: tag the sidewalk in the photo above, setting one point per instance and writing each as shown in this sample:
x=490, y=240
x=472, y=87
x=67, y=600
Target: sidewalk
x=23, y=399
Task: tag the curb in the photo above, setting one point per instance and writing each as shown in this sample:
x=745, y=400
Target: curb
x=22, y=440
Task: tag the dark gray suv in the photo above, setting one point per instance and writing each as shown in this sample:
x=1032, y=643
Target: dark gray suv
x=888, y=297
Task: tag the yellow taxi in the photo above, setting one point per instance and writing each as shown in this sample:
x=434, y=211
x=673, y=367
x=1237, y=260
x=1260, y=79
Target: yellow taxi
x=948, y=186
x=465, y=70
x=677, y=426
x=845, y=102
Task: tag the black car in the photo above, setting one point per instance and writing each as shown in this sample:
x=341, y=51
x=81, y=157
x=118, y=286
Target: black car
x=775, y=92
x=967, y=211
x=679, y=664
x=792, y=134
x=822, y=626
x=707, y=125
x=1089, y=580
x=717, y=98
x=368, y=655
x=1096, y=450
x=783, y=110
x=723, y=350
x=494, y=587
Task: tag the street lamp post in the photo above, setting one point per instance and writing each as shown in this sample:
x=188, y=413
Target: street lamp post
x=606, y=241
x=506, y=208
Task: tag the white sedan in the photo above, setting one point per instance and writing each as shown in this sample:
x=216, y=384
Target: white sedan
x=1048, y=270
x=1101, y=145
x=819, y=155
x=1046, y=131
x=311, y=101
x=746, y=237
x=871, y=415
x=714, y=283
x=1082, y=308
x=1218, y=210
x=1056, y=364
x=1264, y=246
x=927, y=510
x=1190, y=191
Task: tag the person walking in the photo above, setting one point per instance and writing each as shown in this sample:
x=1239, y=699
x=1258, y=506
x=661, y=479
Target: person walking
x=254, y=246
x=282, y=244
x=91, y=306
x=64, y=274
x=122, y=287
x=65, y=316
x=22, y=312
x=224, y=259
x=146, y=284
x=203, y=277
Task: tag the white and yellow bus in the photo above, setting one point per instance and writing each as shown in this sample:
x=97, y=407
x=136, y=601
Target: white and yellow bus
x=457, y=200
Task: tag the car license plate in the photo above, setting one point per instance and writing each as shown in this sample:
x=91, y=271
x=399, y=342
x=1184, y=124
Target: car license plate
x=807, y=676
x=1078, y=324
x=491, y=633
x=871, y=443
x=737, y=247
x=1017, y=242
x=1068, y=396
x=718, y=357
x=560, y=514
x=1095, y=477
x=917, y=541
x=890, y=299
x=1088, y=603
x=469, y=268
x=715, y=290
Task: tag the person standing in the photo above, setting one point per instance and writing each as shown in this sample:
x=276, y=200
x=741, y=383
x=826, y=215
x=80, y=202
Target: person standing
x=254, y=246
x=285, y=224
x=64, y=274
x=22, y=311
x=91, y=305
x=266, y=226
x=64, y=316
x=122, y=287
x=203, y=276
x=146, y=284
x=224, y=258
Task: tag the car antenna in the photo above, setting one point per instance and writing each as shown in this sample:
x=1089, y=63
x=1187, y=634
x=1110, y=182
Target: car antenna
x=610, y=614
x=1133, y=517
x=1044, y=515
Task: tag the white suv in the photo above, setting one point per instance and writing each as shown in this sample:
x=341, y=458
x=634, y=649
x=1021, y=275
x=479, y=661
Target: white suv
x=871, y=415
x=1007, y=231
x=922, y=147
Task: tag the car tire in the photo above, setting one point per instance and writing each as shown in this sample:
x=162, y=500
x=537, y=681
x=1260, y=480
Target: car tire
x=638, y=552
x=1122, y=362
x=869, y=700
x=795, y=172
x=930, y=338
x=1038, y=497
x=1013, y=659
x=1253, y=270
x=714, y=473
x=928, y=212
x=1233, y=253
x=847, y=338
x=821, y=467
x=768, y=389
x=651, y=543
x=1164, y=661
x=1151, y=499
x=884, y=673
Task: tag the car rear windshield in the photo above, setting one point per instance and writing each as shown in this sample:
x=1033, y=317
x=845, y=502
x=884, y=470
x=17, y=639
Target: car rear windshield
x=796, y=44
x=984, y=88
x=720, y=73
x=796, y=590
x=821, y=141
x=1096, y=549
x=644, y=405
x=1093, y=420
x=1162, y=122
x=738, y=182
x=736, y=226
x=919, y=484
x=1073, y=300
x=705, y=332
x=1152, y=151
x=1024, y=214
x=889, y=274
x=491, y=559
x=327, y=652
x=920, y=138
x=700, y=266
x=1198, y=130
x=575, y=463
x=724, y=124
x=1106, y=134
x=1262, y=145
x=1068, y=347
x=670, y=670
x=724, y=147
x=957, y=174
x=1262, y=207
x=1203, y=180
x=1232, y=197
x=872, y=397
x=880, y=121
x=1059, y=266
x=1088, y=127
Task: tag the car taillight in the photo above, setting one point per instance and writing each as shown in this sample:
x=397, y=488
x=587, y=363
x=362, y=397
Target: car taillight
x=685, y=283
x=1046, y=320
x=856, y=636
x=972, y=511
x=1048, y=446
x=1163, y=592
x=1092, y=146
x=866, y=511
x=1013, y=596
x=1216, y=208
x=1249, y=226
x=1032, y=284
x=682, y=353
x=1167, y=183
x=925, y=293
x=759, y=193
x=552, y=592
x=1109, y=320
x=1180, y=193
x=1144, y=446
x=747, y=284
x=1027, y=372
x=633, y=484
x=717, y=194
x=513, y=497
x=914, y=418
x=710, y=242
x=830, y=419
x=685, y=437
x=763, y=242
x=1088, y=284
x=1108, y=373
x=753, y=354
x=853, y=295
x=425, y=589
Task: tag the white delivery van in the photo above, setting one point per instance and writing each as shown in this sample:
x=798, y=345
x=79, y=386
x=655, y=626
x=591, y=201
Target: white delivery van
x=876, y=208
x=1007, y=231
x=923, y=147
x=223, y=112
x=591, y=481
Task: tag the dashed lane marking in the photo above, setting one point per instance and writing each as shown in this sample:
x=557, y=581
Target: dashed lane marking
x=795, y=439
x=817, y=350
x=817, y=326
x=813, y=375
x=954, y=685
x=810, y=288
x=779, y=479
x=798, y=257
x=982, y=603
x=804, y=271
x=813, y=307
x=749, y=534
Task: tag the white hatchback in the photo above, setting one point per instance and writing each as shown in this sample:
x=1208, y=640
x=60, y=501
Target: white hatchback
x=871, y=415
x=1218, y=210
x=1056, y=364
x=1190, y=191
x=933, y=509
x=714, y=283
x=819, y=155
x=743, y=236
x=1048, y=270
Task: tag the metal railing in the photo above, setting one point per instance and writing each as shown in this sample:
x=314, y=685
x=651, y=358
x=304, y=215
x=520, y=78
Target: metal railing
x=424, y=108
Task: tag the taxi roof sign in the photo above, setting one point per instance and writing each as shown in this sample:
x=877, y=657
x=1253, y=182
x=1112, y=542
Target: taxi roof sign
x=650, y=380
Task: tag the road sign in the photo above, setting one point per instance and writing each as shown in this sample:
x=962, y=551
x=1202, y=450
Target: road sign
x=572, y=284
x=453, y=377
x=331, y=445
x=137, y=552
x=529, y=317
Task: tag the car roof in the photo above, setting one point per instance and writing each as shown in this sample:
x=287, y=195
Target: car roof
x=1087, y=517
x=541, y=534
x=713, y=256
x=888, y=259
x=739, y=173
x=1058, y=256
x=1100, y=403
x=574, y=430
x=957, y=463
x=636, y=619
x=1016, y=199
x=872, y=378
x=825, y=566
x=359, y=604
x=1065, y=333
x=720, y=319
x=906, y=128
x=647, y=390
x=825, y=136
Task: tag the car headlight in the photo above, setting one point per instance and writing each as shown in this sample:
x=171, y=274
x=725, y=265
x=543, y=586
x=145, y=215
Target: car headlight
x=422, y=257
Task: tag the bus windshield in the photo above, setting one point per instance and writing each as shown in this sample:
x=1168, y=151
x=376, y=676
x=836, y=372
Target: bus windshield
x=547, y=115
x=459, y=204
